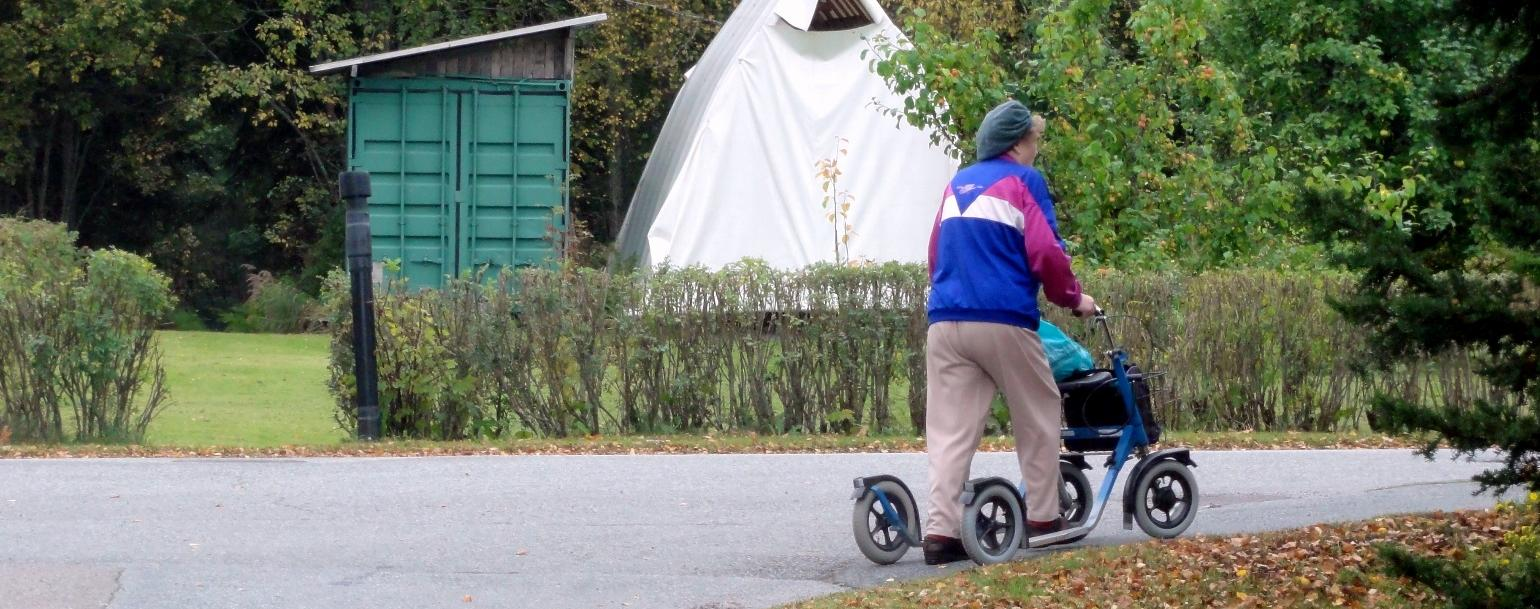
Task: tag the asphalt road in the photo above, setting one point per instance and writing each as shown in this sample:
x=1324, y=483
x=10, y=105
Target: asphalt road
x=556, y=532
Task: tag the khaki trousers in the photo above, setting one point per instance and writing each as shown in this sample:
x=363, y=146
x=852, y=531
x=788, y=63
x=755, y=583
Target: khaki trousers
x=966, y=364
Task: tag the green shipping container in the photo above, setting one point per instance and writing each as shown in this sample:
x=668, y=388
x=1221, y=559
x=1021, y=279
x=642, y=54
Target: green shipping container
x=466, y=145
x=468, y=174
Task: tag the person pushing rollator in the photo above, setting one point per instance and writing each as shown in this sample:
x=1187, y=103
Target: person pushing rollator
x=994, y=245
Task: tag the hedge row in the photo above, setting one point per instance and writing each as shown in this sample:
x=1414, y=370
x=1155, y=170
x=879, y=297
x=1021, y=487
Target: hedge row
x=831, y=348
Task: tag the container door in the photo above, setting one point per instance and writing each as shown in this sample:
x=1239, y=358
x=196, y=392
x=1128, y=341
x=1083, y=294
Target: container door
x=515, y=140
x=405, y=137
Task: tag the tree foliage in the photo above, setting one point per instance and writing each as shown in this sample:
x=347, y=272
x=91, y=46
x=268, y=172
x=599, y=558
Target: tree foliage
x=103, y=129
x=1453, y=263
x=1152, y=154
x=73, y=70
x=1338, y=80
x=1448, y=248
x=191, y=131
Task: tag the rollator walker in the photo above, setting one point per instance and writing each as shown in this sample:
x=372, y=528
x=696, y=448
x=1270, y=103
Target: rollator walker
x=1161, y=495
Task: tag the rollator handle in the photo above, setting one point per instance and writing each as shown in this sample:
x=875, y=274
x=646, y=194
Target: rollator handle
x=1099, y=314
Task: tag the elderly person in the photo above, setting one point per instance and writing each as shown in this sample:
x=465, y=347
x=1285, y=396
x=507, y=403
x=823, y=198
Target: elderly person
x=995, y=243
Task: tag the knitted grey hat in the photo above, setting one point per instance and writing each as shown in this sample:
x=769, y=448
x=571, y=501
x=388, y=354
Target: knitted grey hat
x=1002, y=128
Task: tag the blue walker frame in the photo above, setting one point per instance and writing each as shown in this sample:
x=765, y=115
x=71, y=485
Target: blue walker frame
x=1132, y=441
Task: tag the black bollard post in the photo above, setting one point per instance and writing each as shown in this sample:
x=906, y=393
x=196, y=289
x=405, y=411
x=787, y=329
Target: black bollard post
x=354, y=186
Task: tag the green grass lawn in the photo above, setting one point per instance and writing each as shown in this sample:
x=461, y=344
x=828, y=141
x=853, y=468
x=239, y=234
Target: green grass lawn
x=249, y=390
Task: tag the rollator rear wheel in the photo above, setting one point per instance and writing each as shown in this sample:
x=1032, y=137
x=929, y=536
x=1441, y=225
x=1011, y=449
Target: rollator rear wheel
x=1074, y=498
x=1165, y=499
x=993, y=525
x=1074, y=495
x=877, y=538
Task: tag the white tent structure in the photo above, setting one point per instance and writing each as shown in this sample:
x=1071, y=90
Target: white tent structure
x=733, y=174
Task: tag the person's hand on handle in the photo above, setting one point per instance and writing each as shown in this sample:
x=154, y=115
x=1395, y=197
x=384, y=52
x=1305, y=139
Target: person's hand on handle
x=1086, y=307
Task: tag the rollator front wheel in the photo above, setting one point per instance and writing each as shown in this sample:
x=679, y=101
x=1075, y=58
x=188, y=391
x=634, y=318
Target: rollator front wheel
x=993, y=525
x=1165, y=499
x=878, y=539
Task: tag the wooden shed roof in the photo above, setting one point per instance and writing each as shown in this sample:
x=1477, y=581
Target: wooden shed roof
x=350, y=64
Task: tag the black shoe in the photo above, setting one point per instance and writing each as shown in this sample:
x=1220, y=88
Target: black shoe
x=941, y=550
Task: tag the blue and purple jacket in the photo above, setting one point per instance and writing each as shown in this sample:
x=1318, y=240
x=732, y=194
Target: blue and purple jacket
x=995, y=243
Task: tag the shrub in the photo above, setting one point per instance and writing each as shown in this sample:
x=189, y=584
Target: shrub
x=186, y=320
x=113, y=315
x=39, y=258
x=554, y=352
x=77, y=342
x=415, y=374
x=274, y=305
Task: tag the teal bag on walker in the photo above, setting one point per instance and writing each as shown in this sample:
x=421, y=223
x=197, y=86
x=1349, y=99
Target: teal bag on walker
x=1065, y=356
